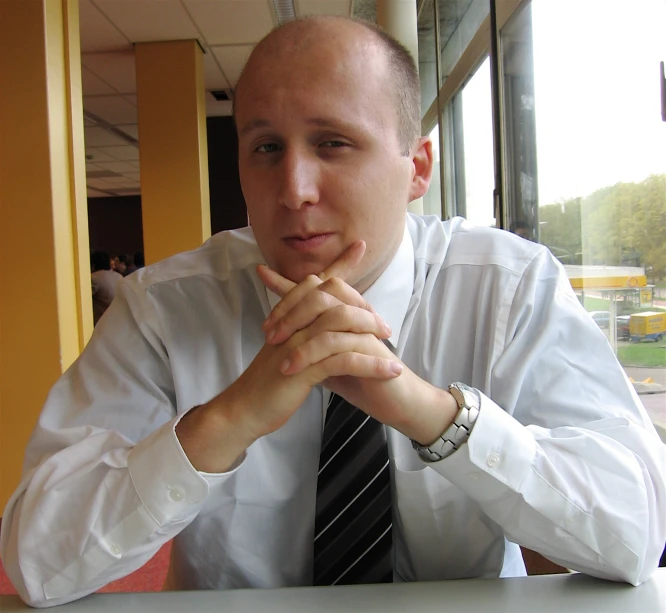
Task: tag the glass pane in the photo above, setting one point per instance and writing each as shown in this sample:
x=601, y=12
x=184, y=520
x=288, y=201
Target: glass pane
x=473, y=149
x=427, y=55
x=585, y=150
x=459, y=21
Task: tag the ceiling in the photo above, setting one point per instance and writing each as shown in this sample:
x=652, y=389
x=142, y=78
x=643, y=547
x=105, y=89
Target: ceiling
x=226, y=29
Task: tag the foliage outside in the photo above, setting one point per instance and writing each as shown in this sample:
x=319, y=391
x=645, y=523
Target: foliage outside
x=621, y=225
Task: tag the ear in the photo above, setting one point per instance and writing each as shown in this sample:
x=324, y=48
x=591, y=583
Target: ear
x=422, y=161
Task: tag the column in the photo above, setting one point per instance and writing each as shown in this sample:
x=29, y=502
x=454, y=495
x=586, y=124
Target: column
x=45, y=294
x=399, y=19
x=173, y=150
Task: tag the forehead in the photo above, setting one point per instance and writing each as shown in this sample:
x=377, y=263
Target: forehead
x=343, y=77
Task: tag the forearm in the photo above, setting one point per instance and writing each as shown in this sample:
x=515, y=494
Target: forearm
x=108, y=498
x=213, y=435
x=589, y=497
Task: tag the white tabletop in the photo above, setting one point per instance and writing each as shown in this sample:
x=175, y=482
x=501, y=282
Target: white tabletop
x=556, y=593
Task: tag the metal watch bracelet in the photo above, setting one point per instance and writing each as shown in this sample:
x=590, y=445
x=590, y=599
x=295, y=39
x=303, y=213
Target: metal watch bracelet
x=469, y=405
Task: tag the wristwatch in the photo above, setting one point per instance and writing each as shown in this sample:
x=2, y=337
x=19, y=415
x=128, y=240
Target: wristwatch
x=469, y=403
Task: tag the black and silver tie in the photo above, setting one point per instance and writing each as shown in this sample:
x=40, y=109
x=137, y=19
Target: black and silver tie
x=353, y=525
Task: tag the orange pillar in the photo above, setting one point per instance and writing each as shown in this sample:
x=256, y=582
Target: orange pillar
x=45, y=299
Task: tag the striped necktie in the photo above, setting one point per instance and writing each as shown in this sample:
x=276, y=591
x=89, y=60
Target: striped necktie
x=353, y=526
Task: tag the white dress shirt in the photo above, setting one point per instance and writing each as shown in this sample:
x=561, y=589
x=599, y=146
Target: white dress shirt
x=562, y=459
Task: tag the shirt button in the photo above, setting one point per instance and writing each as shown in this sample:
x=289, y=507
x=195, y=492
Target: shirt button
x=115, y=550
x=176, y=494
x=493, y=459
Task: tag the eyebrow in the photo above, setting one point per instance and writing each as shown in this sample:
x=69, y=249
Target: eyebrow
x=323, y=122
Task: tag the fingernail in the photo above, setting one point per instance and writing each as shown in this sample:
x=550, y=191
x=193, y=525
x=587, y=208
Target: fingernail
x=284, y=367
x=388, y=329
x=396, y=368
x=271, y=335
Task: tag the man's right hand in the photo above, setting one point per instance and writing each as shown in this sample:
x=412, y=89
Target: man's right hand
x=263, y=399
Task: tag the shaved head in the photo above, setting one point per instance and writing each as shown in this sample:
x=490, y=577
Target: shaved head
x=295, y=40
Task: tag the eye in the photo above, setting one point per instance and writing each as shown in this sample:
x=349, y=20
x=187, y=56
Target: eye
x=333, y=144
x=268, y=148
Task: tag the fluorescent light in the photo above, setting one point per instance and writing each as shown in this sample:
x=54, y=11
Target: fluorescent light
x=284, y=10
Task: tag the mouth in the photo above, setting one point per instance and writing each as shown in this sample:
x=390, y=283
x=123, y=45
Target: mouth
x=307, y=242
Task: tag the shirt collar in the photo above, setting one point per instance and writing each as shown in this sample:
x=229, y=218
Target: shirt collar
x=391, y=293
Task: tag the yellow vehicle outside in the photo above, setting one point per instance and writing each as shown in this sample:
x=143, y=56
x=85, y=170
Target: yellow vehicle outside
x=648, y=325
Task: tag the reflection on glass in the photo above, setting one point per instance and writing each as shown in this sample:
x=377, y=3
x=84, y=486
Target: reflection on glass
x=459, y=21
x=427, y=55
x=582, y=104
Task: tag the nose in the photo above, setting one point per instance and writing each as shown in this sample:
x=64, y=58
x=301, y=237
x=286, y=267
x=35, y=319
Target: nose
x=300, y=179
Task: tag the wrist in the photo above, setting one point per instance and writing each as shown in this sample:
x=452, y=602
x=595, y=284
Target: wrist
x=431, y=416
x=212, y=437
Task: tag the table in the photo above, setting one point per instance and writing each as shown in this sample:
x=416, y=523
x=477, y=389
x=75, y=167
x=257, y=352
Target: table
x=543, y=594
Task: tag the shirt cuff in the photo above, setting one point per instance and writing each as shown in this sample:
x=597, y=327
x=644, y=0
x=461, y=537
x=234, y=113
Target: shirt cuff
x=169, y=487
x=497, y=456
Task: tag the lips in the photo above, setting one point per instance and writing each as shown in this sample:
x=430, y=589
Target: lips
x=307, y=241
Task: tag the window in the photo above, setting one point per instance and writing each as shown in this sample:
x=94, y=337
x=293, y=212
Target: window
x=585, y=162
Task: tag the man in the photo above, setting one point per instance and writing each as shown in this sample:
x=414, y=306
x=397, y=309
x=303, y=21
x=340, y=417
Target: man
x=197, y=411
x=104, y=283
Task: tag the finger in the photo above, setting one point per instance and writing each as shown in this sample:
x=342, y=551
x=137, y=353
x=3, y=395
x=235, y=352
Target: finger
x=346, y=262
x=345, y=293
x=323, y=312
x=335, y=291
x=291, y=299
x=274, y=281
x=354, y=365
x=328, y=343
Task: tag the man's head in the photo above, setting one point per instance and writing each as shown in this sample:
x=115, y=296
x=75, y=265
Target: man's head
x=327, y=111
x=100, y=260
x=121, y=264
x=521, y=228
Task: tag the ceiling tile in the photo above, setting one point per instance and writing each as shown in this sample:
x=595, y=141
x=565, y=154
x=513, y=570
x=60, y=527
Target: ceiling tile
x=150, y=20
x=128, y=191
x=93, y=193
x=118, y=167
x=93, y=85
x=213, y=77
x=122, y=181
x=217, y=109
x=95, y=155
x=130, y=130
x=116, y=69
x=98, y=183
x=112, y=109
x=88, y=123
x=123, y=154
x=97, y=33
x=132, y=98
x=231, y=21
x=232, y=60
x=323, y=7
x=99, y=137
x=135, y=176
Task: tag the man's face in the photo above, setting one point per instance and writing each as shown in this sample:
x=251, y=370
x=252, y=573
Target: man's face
x=320, y=159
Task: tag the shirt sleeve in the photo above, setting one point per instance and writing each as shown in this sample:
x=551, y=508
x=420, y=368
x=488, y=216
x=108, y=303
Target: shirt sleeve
x=570, y=465
x=105, y=481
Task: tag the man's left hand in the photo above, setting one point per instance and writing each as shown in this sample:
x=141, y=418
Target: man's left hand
x=407, y=403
